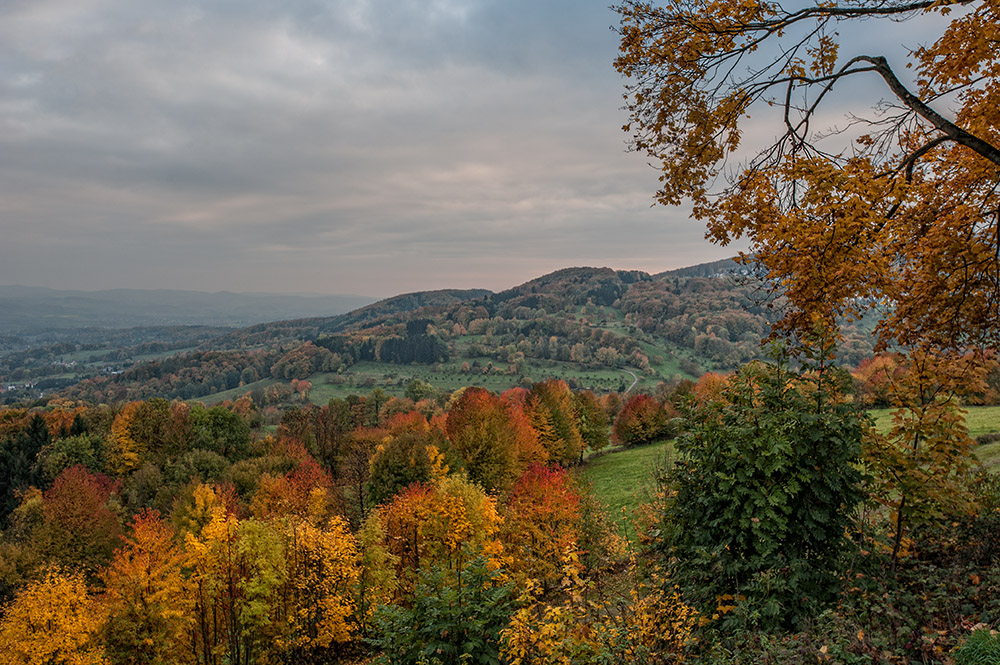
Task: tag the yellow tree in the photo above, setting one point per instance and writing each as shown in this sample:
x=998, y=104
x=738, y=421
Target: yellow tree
x=235, y=570
x=318, y=595
x=901, y=212
x=53, y=621
x=124, y=451
x=429, y=524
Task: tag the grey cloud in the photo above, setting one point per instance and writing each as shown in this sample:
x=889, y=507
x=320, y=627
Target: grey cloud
x=261, y=146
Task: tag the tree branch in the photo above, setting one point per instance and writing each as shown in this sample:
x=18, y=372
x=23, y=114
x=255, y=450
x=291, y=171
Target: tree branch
x=942, y=124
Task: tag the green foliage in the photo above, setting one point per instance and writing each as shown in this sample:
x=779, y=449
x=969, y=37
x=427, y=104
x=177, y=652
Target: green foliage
x=551, y=411
x=454, y=618
x=418, y=390
x=591, y=420
x=19, y=463
x=760, y=497
x=221, y=431
x=399, y=462
x=83, y=449
x=484, y=432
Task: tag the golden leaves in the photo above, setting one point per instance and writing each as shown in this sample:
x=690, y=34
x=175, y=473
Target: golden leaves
x=55, y=621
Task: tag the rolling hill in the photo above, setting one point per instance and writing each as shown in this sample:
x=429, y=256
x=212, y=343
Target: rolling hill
x=597, y=328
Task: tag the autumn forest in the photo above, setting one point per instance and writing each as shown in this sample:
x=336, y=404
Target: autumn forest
x=792, y=456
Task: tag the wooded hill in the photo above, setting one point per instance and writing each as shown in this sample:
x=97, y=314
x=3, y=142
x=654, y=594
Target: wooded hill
x=597, y=328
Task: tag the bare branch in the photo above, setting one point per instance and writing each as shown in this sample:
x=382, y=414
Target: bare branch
x=942, y=124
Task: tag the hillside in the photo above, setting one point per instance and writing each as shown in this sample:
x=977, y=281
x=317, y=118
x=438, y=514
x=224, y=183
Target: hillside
x=596, y=328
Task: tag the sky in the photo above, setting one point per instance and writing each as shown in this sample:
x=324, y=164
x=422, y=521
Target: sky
x=371, y=147
x=347, y=146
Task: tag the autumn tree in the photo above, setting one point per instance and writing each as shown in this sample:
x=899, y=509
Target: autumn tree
x=409, y=452
x=54, y=621
x=305, y=492
x=550, y=408
x=643, y=419
x=482, y=430
x=899, y=212
x=316, y=605
x=80, y=529
x=354, y=464
x=124, y=451
x=542, y=522
x=875, y=376
x=438, y=523
x=235, y=569
x=149, y=601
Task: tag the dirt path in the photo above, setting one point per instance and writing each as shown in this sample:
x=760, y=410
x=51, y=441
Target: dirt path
x=635, y=380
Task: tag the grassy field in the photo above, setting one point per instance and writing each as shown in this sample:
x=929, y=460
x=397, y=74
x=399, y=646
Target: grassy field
x=235, y=393
x=364, y=376
x=623, y=478
x=980, y=420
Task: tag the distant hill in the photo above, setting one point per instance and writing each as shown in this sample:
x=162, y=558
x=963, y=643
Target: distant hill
x=27, y=310
x=407, y=302
x=710, y=269
x=597, y=328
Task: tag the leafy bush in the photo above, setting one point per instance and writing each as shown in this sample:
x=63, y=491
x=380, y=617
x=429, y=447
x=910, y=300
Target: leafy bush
x=759, y=500
x=584, y=624
x=454, y=618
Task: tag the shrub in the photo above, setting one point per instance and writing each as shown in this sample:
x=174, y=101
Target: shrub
x=760, y=497
x=452, y=619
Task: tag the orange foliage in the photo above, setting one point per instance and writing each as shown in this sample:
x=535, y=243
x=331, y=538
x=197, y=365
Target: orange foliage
x=149, y=600
x=898, y=220
x=542, y=522
x=411, y=421
x=709, y=387
x=875, y=377
x=494, y=439
x=304, y=492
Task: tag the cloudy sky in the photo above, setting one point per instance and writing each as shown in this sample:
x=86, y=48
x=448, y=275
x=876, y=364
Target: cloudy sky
x=336, y=146
x=363, y=146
